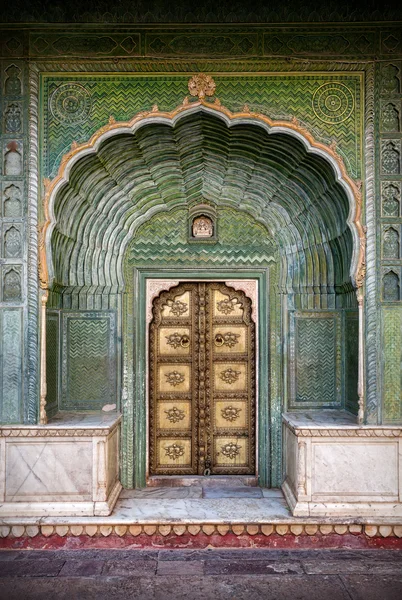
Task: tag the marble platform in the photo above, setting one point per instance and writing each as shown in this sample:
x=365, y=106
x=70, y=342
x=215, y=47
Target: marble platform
x=68, y=467
x=335, y=467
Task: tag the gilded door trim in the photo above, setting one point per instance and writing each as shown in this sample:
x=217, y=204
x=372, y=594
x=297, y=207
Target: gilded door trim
x=249, y=290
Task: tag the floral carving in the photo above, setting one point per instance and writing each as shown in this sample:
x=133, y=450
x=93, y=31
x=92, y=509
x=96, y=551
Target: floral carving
x=177, y=307
x=174, y=378
x=230, y=375
x=230, y=413
x=174, y=415
x=174, y=339
x=226, y=306
x=174, y=451
x=201, y=85
x=231, y=450
x=227, y=339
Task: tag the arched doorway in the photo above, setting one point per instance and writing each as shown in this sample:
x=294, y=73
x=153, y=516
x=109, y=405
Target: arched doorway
x=287, y=216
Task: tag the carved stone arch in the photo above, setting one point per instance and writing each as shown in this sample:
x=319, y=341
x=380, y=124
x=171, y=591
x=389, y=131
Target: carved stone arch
x=173, y=119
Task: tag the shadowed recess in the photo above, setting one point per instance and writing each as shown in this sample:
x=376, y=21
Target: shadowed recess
x=161, y=168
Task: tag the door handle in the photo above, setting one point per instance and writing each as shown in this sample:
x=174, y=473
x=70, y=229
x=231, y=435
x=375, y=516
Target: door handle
x=185, y=341
x=219, y=341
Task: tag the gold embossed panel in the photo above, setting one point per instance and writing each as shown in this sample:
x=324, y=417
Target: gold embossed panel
x=231, y=414
x=231, y=452
x=230, y=339
x=230, y=377
x=225, y=305
x=202, y=382
x=174, y=453
x=174, y=341
x=173, y=378
x=174, y=415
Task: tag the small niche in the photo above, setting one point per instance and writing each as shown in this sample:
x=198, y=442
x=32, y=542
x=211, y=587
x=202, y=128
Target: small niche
x=390, y=158
x=391, y=287
x=390, y=201
x=13, y=159
x=12, y=84
x=202, y=223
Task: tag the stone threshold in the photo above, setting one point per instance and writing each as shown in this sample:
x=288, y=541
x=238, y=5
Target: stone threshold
x=173, y=517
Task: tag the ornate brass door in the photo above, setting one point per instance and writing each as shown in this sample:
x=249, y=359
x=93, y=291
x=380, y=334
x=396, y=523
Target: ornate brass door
x=202, y=382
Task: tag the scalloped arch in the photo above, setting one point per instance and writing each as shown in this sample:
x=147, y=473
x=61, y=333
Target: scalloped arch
x=274, y=170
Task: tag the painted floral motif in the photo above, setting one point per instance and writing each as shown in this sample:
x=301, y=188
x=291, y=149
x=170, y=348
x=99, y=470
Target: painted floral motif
x=230, y=413
x=227, y=339
x=174, y=378
x=231, y=450
x=174, y=414
x=226, y=306
x=174, y=451
x=230, y=375
x=177, y=308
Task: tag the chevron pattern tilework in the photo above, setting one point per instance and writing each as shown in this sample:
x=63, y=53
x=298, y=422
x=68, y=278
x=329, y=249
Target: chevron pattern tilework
x=351, y=337
x=279, y=96
x=11, y=365
x=316, y=364
x=163, y=240
x=392, y=356
x=52, y=363
x=88, y=367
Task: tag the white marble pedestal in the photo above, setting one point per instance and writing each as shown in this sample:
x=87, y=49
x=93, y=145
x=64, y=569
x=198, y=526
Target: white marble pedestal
x=69, y=467
x=334, y=467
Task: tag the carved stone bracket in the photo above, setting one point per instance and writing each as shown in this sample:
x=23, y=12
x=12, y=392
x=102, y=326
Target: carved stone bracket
x=154, y=287
x=250, y=288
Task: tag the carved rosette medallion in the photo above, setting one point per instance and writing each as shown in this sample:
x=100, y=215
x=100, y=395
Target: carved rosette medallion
x=231, y=450
x=174, y=451
x=201, y=85
x=333, y=102
x=174, y=415
x=230, y=375
x=70, y=103
x=230, y=413
x=174, y=378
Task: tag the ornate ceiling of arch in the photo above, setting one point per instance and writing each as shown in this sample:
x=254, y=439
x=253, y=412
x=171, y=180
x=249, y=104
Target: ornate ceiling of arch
x=131, y=176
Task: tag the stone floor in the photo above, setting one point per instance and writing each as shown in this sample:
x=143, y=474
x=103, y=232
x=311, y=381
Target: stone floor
x=201, y=575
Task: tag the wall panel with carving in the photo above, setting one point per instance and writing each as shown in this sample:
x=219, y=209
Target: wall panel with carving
x=13, y=243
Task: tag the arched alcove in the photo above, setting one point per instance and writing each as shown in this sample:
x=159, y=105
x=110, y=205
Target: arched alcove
x=121, y=202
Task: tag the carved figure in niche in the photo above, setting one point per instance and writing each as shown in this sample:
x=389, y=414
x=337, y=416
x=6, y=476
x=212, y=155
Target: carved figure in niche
x=390, y=246
x=12, y=243
x=12, y=160
x=12, y=202
x=203, y=227
x=12, y=286
x=390, y=79
x=12, y=117
x=390, y=118
x=12, y=85
x=390, y=158
x=390, y=290
x=390, y=201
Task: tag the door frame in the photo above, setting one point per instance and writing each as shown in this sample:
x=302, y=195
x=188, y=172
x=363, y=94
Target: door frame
x=135, y=362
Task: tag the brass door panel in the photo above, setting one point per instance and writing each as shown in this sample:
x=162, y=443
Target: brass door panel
x=202, y=382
